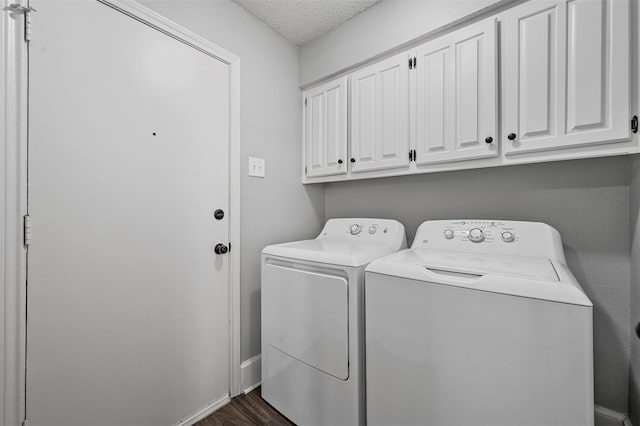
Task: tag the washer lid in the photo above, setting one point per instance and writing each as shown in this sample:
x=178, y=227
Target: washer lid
x=532, y=277
x=331, y=251
x=483, y=263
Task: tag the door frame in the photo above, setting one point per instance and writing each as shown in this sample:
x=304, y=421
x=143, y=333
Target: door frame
x=13, y=196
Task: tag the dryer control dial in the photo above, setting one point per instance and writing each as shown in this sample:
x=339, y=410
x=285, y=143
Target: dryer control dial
x=476, y=235
x=355, y=229
x=448, y=234
x=372, y=229
x=508, y=236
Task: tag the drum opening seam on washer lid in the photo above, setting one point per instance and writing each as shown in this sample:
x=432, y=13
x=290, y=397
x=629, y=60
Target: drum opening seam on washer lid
x=456, y=274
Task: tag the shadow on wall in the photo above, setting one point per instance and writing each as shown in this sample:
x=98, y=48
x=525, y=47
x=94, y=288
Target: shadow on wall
x=602, y=276
x=587, y=201
x=634, y=217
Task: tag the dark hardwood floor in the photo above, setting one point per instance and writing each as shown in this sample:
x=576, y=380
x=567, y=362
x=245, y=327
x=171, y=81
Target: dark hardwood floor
x=249, y=409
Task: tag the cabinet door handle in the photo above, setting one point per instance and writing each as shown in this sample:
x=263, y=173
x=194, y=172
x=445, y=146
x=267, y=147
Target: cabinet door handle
x=340, y=161
x=489, y=139
x=512, y=136
x=353, y=160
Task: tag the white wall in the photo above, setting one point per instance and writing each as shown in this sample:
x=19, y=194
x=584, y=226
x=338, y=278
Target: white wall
x=277, y=208
x=380, y=28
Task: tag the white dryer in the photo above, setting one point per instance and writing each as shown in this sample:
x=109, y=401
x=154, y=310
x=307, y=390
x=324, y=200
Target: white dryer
x=479, y=323
x=312, y=307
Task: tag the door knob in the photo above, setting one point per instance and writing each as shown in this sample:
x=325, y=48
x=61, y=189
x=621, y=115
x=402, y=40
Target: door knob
x=221, y=249
x=512, y=136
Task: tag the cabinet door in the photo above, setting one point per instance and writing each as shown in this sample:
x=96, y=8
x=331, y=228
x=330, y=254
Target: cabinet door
x=380, y=115
x=566, y=74
x=456, y=99
x=326, y=129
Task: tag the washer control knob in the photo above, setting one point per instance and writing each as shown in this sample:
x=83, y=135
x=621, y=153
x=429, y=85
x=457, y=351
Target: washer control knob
x=355, y=229
x=372, y=229
x=508, y=237
x=448, y=234
x=476, y=235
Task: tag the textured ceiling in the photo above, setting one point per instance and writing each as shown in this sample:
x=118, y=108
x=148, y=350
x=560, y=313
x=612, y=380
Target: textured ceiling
x=300, y=21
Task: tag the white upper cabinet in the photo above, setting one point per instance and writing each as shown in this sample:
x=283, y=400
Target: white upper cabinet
x=456, y=96
x=380, y=115
x=544, y=80
x=326, y=129
x=566, y=74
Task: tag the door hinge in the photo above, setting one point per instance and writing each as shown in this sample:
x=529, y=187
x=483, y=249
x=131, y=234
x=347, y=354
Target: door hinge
x=26, y=11
x=634, y=124
x=26, y=223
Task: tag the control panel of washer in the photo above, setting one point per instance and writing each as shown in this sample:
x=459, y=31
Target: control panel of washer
x=490, y=236
x=480, y=231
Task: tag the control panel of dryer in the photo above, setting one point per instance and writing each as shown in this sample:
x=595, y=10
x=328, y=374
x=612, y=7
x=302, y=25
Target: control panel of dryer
x=363, y=230
x=491, y=236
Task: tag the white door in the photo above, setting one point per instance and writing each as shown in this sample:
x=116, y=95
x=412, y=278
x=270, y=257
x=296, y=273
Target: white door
x=380, y=115
x=456, y=96
x=325, y=125
x=566, y=74
x=128, y=159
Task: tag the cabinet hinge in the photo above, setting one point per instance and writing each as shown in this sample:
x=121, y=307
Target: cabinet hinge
x=410, y=63
x=305, y=170
x=305, y=101
x=634, y=124
x=410, y=155
x=414, y=62
x=26, y=11
x=229, y=246
x=415, y=155
x=26, y=225
x=25, y=422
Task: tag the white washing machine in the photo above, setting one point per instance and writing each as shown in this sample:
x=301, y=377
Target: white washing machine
x=312, y=307
x=480, y=323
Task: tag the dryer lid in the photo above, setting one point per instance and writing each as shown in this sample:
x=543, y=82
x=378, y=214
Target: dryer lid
x=331, y=251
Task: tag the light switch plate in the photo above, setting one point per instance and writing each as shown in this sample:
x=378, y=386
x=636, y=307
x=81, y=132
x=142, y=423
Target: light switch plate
x=256, y=167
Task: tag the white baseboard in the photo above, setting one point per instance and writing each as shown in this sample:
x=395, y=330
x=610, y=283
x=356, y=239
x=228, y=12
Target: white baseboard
x=606, y=417
x=250, y=373
x=205, y=412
